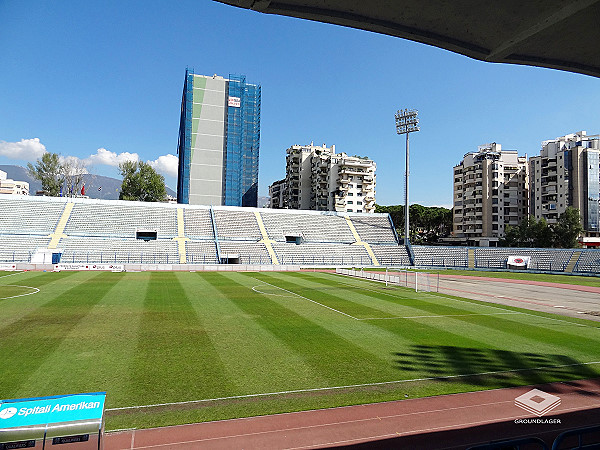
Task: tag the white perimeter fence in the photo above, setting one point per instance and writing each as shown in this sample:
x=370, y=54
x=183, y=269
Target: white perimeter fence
x=419, y=281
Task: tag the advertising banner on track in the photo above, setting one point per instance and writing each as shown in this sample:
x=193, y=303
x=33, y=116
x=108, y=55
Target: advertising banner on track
x=9, y=267
x=111, y=267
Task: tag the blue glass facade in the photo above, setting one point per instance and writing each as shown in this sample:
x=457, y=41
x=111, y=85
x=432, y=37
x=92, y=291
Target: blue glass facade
x=240, y=168
x=592, y=217
x=184, y=143
x=219, y=140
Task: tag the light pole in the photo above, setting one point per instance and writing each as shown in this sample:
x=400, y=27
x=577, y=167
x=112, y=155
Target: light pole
x=406, y=122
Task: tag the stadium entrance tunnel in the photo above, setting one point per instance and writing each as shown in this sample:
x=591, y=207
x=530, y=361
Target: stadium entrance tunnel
x=491, y=368
x=230, y=258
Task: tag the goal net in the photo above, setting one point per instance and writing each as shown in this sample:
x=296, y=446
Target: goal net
x=419, y=281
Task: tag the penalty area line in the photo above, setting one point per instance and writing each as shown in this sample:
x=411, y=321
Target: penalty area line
x=306, y=298
x=438, y=315
x=11, y=274
x=349, y=386
x=36, y=290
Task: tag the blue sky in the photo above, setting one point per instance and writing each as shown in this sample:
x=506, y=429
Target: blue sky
x=102, y=81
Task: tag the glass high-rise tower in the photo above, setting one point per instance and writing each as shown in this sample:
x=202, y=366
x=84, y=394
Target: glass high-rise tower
x=219, y=139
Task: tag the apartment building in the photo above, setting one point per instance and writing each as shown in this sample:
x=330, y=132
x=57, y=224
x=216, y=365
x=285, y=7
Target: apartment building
x=567, y=173
x=8, y=186
x=490, y=192
x=318, y=178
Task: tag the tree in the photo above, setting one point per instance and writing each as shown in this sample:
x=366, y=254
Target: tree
x=49, y=171
x=567, y=229
x=532, y=233
x=427, y=223
x=73, y=171
x=141, y=183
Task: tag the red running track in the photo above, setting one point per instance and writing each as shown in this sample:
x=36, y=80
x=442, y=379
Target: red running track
x=443, y=422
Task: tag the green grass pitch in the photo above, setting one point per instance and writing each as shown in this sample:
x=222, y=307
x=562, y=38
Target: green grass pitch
x=207, y=346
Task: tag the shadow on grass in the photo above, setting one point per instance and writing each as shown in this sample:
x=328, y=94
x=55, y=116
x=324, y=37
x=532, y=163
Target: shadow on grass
x=490, y=367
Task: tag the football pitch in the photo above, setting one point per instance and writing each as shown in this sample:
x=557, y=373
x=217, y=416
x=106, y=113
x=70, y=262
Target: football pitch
x=180, y=347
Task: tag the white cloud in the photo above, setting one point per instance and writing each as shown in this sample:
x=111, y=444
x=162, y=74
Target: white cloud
x=26, y=149
x=77, y=165
x=166, y=165
x=108, y=158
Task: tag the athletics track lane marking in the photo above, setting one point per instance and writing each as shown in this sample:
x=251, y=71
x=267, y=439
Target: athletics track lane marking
x=466, y=301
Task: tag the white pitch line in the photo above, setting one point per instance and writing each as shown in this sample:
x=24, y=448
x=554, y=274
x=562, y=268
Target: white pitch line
x=11, y=274
x=20, y=295
x=267, y=293
x=330, y=388
x=439, y=315
x=306, y=298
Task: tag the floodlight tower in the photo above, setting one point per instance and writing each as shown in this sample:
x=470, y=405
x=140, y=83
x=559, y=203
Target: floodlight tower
x=406, y=122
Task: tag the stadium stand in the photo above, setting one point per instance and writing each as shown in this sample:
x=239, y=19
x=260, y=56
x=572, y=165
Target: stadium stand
x=249, y=252
x=19, y=248
x=236, y=224
x=375, y=229
x=440, y=256
x=120, y=220
x=35, y=218
x=105, y=231
x=198, y=223
x=391, y=255
x=120, y=251
x=589, y=261
x=311, y=225
x=541, y=259
x=321, y=254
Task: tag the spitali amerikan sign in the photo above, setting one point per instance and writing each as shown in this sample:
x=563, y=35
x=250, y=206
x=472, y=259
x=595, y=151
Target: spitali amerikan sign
x=50, y=410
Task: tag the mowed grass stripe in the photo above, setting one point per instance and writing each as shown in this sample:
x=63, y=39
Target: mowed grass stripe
x=337, y=360
x=392, y=302
x=332, y=295
x=96, y=353
x=26, y=343
x=371, y=339
x=39, y=279
x=255, y=360
x=175, y=359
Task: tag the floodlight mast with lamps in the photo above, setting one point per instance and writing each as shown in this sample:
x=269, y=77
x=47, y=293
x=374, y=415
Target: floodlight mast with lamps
x=406, y=123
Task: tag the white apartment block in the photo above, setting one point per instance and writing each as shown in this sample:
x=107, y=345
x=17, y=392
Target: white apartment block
x=8, y=186
x=318, y=178
x=567, y=173
x=490, y=192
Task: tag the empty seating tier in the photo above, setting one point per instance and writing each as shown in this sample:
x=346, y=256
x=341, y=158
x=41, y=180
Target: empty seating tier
x=201, y=252
x=541, y=259
x=374, y=229
x=391, y=255
x=120, y=220
x=198, y=223
x=248, y=252
x=34, y=217
x=440, y=256
x=321, y=254
x=589, y=261
x=310, y=226
x=237, y=224
x=119, y=251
